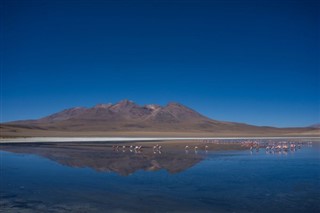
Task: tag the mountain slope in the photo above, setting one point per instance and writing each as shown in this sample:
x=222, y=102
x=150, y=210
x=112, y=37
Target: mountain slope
x=126, y=116
x=125, y=112
x=316, y=126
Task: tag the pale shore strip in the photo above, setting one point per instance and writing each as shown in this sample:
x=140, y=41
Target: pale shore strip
x=141, y=139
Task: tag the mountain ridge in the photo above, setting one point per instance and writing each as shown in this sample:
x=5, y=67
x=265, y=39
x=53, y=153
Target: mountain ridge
x=124, y=110
x=127, y=116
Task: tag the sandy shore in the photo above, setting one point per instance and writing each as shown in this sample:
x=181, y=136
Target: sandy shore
x=123, y=139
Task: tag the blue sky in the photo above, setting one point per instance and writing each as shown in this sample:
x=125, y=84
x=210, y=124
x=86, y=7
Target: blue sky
x=251, y=61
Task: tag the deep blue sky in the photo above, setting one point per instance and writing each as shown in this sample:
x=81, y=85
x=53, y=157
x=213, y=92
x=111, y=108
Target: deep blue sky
x=252, y=61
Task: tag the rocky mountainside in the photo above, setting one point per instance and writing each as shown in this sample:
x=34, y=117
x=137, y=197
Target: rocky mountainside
x=127, y=111
x=126, y=116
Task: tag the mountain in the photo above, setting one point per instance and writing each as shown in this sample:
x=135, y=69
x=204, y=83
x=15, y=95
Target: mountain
x=127, y=117
x=126, y=111
x=316, y=126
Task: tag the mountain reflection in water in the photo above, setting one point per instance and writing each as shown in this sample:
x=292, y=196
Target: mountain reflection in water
x=103, y=158
x=230, y=177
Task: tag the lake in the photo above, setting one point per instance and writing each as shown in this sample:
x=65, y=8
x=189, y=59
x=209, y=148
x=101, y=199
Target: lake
x=100, y=177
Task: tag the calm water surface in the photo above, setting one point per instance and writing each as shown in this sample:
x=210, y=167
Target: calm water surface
x=46, y=178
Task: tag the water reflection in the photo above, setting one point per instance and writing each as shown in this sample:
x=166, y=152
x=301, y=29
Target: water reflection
x=203, y=181
x=123, y=160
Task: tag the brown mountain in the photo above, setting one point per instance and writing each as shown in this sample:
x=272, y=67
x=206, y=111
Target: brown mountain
x=129, y=118
x=127, y=111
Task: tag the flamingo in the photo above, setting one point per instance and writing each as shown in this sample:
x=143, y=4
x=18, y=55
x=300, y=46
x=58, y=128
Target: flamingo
x=195, y=149
x=154, y=148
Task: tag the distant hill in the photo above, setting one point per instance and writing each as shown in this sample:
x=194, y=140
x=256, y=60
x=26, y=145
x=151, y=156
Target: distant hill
x=127, y=117
x=317, y=126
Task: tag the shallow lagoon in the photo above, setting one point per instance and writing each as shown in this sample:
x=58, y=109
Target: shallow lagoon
x=72, y=178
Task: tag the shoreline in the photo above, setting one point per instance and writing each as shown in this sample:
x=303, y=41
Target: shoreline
x=136, y=139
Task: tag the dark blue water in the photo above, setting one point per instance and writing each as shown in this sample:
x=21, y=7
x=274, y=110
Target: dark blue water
x=221, y=181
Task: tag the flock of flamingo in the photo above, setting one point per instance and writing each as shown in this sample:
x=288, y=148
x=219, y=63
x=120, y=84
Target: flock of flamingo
x=124, y=148
x=270, y=147
x=156, y=148
x=275, y=147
